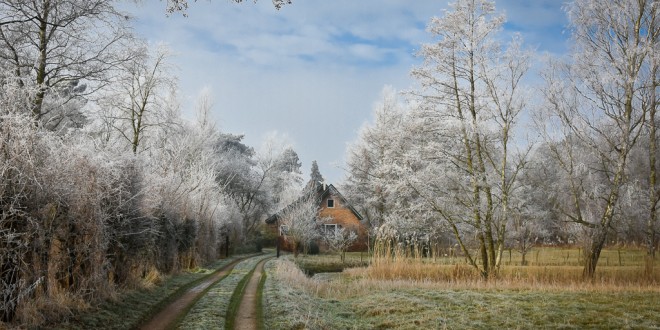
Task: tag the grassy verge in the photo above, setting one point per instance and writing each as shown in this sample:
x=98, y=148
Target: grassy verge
x=291, y=303
x=210, y=311
x=130, y=309
x=353, y=300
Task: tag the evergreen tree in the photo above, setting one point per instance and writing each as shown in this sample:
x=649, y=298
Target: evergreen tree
x=315, y=175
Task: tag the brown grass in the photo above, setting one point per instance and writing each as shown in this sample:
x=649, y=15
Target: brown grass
x=511, y=277
x=548, y=268
x=48, y=309
x=152, y=278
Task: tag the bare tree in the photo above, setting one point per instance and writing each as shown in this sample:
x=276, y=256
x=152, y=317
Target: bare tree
x=138, y=99
x=59, y=44
x=181, y=6
x=650, y=102
x=595, y=110
x=340, y=240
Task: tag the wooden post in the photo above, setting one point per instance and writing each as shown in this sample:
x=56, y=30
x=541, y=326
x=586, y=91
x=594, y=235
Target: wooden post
x=277, y=245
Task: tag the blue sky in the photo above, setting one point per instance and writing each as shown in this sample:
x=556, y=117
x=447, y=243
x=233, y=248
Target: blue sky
x=311, y=72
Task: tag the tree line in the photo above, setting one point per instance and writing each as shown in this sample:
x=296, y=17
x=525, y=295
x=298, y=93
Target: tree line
x=476, y=158
x=103, y=184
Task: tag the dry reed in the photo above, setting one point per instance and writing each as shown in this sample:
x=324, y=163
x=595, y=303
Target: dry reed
x=392, y=262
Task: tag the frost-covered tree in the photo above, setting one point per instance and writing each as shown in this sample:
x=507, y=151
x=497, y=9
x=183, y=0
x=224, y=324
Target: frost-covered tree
x=181, y=6
x=62, y=45
x=596, y=105
x=299, y=221
x=256, y=181
x=471, y=99
x=315, y=174
x=371, y=176
x=137, y=101
x=340, y=240
x=286, y=174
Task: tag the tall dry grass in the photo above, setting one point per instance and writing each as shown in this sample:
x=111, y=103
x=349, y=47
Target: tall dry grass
x=410, y=274
x=549, y=268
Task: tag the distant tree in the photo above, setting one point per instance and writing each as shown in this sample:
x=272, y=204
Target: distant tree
x=315, y=174
x=340, y=240
x=371, y=177
x=286, y=176
x=299, y=221
x=289, y=161
x=256, y=181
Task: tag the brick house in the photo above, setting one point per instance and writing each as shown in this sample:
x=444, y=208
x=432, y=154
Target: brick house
x=336, y=212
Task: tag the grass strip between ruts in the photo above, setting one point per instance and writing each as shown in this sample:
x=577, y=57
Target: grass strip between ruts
x=184, y=312
x=260, y=297
x=235, y=300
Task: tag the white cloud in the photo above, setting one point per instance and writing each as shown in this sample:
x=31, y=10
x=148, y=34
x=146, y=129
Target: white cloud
x=311, y=70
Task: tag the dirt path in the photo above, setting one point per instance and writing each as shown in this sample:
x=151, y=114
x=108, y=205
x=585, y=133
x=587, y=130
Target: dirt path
x=246, y=316
x=166, y=317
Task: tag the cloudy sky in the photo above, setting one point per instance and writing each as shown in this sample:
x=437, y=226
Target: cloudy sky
x=311, y=72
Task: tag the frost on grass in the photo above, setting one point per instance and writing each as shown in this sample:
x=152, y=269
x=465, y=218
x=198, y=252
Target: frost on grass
x=286, y=306
x=294, y=301
x=211, y=310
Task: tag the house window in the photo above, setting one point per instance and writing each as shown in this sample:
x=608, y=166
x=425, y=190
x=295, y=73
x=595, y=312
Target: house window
x=331, y=203
x=331, y=229
x=284, y=229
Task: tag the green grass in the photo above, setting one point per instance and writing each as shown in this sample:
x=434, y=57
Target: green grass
x=330, y=263
x=130, y=309
x=539, y=256
x=493, y=309
x=571, y=256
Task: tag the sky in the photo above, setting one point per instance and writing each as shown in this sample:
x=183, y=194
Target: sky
x=311, y=72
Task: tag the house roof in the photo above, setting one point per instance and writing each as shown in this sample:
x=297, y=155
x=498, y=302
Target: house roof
x=322, y=191
x=331, y=190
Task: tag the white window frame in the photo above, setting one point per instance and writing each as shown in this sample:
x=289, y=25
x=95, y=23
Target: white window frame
x=327, y=203
x=335, y=228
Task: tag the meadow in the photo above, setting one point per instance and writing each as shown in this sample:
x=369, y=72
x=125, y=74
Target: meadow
x=442, y=292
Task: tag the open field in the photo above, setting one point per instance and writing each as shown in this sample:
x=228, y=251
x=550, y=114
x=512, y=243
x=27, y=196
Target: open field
x=539, y=296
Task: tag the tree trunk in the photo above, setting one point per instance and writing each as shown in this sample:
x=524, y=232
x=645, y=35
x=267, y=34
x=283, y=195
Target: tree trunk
x=41, y=64
x=592, y=254
x=653, y=193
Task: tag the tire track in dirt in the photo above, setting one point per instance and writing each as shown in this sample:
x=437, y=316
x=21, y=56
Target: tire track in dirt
x=168, y=315
x=246, y=315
